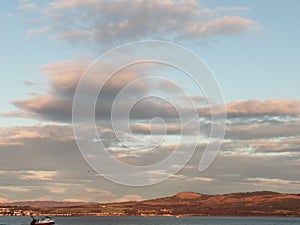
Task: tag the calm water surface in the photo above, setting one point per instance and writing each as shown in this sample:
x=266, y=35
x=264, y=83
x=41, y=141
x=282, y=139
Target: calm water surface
x=157, y=221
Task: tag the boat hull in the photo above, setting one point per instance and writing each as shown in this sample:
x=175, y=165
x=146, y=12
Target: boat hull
x=44, y=223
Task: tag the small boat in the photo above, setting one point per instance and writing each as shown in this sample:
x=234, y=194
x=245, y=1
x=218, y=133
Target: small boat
x=44, y=221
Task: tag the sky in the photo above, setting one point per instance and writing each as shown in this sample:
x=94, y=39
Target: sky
x=251, y=47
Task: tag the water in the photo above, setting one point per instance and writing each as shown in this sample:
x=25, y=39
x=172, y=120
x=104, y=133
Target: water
x=157, y=221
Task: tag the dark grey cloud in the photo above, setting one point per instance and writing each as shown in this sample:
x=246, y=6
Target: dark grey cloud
x=56, y=103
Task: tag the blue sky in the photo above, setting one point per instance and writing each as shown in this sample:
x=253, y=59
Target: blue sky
x=251, y=46
x=261, y=65
x=244, y=64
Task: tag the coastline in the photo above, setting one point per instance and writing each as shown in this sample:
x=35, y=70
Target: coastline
x=185, y=204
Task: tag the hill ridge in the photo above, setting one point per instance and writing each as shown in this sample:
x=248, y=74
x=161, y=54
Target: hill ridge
x=258, y=203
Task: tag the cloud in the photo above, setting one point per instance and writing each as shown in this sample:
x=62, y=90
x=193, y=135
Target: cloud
x=230, y=172
x=156, y=129
x=285, y=146
x=72, y=4
x=65, y=75
x=37, y=31
x=247, y=120
x=47, y=167
x=261, y=147
x=263, y=130
x=15, y=136
x=3, y=199
x=14, y=188
x=105, y=22
x=227, y=25
x=28, y=6
x=30, y=175
x=101, y=195
x=271, y=181
x=263, y=133
x=256, y=108
x=253, y=119
x=44, y=153
x=46, y=106
x=233, y=9
x=144, y=155
x=272, y=107
x=129, y=198
x=56, y=103
x=201, y=179
x=39, y=175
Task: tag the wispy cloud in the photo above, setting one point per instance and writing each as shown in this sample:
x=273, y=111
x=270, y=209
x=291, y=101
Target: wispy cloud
x=201, y=179
x=271, y=181
x=28, y=6
x=259, y=108
x=30, y=175
x=14, y=189
x=39, y=175
x=14, y=136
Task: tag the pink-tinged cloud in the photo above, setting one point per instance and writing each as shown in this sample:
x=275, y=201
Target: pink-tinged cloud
x=253, y=108
x=15, y=136
x=273, y=107
x=3, y=199
x=105, y=22
x=65, y=75
x=227, y=25
x=38, y=175
x=56, y=103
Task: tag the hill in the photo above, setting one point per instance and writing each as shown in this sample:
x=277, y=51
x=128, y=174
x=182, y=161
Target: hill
x=42, y=204
x=261, y=203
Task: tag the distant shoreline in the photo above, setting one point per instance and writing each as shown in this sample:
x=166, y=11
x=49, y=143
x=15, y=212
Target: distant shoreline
x=42, y=215
x=185, y=204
